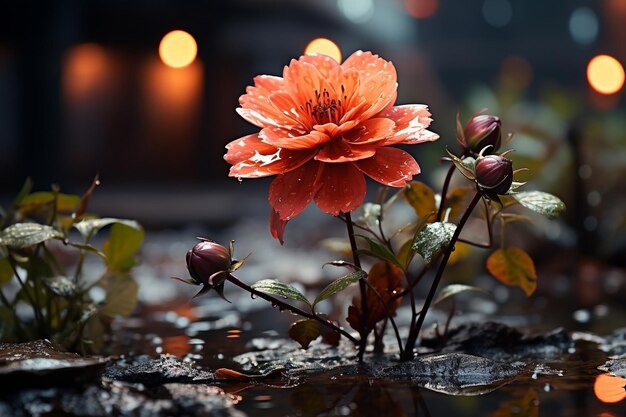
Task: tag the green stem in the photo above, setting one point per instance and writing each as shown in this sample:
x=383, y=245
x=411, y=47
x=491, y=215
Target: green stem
x=414, y=331
x=362, y=288
x=33, y=301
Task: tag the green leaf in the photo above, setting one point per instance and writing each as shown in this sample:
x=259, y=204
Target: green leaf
x=65, y=202
x=271, y=286
x=122, y=246
x=421, y=197
x=6, y=271
x=380, y=251
x=515, y=267
x=339, y=285
x=87, y=248
x=454, y=289
x=121, y=294
x=540, y=202
x=89, y=227
x=61, y=286
x=433, y=239
x=21, y=235
x=304, y=331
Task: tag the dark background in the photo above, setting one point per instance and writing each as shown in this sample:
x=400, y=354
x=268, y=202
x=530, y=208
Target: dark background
x=82, y=91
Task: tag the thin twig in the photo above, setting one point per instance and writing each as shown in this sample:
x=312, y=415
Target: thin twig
x=364, y=307
x=444, y=192
x=285, y=306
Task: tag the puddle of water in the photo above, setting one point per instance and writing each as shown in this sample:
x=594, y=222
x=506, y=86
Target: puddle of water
x=567, y=385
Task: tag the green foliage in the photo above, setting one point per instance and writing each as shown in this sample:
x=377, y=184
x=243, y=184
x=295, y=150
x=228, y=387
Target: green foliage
x=339, y=285
x=540, y=202
x=271, y=286
x=63, y=309
x=431, y=241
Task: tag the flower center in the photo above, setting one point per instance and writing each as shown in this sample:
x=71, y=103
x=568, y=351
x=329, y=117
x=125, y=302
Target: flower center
x=325, y=109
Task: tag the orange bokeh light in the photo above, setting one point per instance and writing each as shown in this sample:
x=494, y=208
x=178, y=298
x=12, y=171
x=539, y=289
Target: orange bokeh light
x=605, y=74
x=86, y=70
x=325, y=47
x=178, y=49
x=609, y=388
x=421, y=9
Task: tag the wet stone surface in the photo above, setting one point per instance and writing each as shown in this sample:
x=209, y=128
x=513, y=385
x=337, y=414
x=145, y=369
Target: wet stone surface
x=150, y=371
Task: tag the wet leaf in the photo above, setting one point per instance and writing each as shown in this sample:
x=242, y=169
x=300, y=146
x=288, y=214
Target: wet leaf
x=21, y=235
x=339, y=285
x=304, y=331
x=526, y=405
x=6, y=271
x=435, y=238
x=454, y=289
x=514, y=217
x=89, y=227
x=421, y=197
x=461, y=251
x=540, y=202
x=121, y=294
x=87, y=248
x=380, y=251
x=61, y=286
x=513, y=267
x=271, y=286
x=122, y=246
x=84, y=200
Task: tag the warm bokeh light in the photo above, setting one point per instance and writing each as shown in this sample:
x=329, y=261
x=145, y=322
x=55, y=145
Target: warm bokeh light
x=86, y=69
x=323, y=46
x=609, y=388
x=178, y=49
x=421, y=9
x=605, y=74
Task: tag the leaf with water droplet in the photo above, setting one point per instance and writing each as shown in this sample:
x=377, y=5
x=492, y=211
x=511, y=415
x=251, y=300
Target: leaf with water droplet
x=21, y=235
x=433, y=239
x=540, y=202
x=339, y=285
x=271, y=286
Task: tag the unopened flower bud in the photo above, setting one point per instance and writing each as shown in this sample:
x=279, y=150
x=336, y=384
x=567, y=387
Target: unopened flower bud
x=205, y=259
x=494, y=174
x=483, y=130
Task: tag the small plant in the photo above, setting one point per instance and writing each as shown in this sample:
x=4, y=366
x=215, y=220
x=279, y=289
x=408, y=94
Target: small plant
x=324, y=127
x=39, y=230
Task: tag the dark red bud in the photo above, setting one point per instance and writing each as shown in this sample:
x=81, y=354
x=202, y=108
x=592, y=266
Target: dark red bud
x=494, y=174
x=481, y=131
x=205, y=259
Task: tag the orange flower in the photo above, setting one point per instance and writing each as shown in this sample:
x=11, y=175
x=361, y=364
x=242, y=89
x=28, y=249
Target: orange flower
x=323, y=127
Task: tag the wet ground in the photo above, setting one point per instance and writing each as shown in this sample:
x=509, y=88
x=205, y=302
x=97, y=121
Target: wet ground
x=558, y=353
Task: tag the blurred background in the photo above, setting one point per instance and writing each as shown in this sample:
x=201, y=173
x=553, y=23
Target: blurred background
x=115, y=88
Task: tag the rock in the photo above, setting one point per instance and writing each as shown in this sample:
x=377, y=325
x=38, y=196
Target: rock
x=166, y=369
x=615, y=343
x=500, y=342
x=454, y=373
x=615, y=366
x=39, y=363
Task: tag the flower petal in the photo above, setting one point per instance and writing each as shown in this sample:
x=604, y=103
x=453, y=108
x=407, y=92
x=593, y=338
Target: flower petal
x=305, y=82
x=411, y=123
x=256, y=107
x=378, y=83
x=338, y=150
x=390, y=166
x=371, y=131
x=277, y=226
x=341, y=188
x=283, y=138
x=324, y=64
x=291, y=192
x=252, y=158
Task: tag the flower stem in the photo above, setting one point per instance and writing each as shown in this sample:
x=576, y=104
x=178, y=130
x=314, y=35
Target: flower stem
x=285, y=306
x=33, y=301
x=444, y=192
x=414, y=331
x=362, y=288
